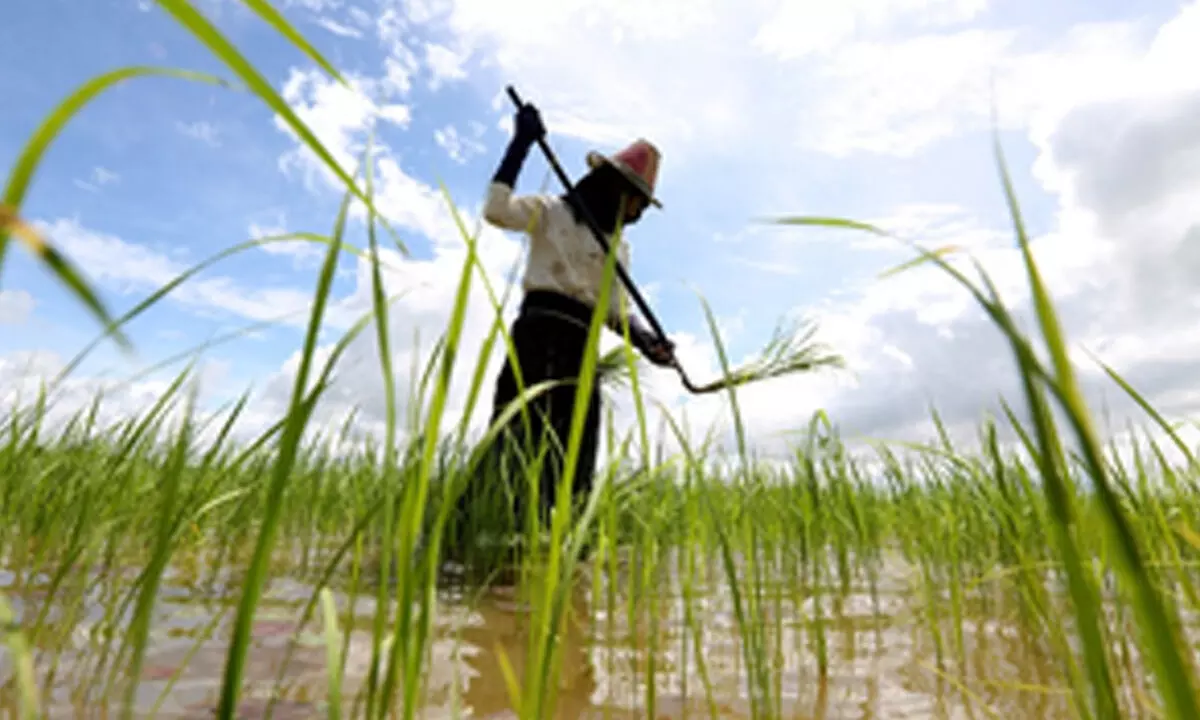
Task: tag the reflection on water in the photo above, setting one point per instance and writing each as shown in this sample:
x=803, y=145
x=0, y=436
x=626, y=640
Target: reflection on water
x=631, y=648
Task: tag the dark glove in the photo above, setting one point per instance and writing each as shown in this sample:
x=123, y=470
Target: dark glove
x=659, y=351
x=527, y=125
x=527, y=129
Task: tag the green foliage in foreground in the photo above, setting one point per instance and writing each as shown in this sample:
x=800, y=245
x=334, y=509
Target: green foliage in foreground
x=91, y=522
x=1090, y=558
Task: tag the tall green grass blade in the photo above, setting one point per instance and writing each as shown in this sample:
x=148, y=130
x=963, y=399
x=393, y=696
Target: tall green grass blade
x=22, y=660
x=143, y=611
x=293, y=428
x=60, y=266
x=1171, y=672
x=329, y=614
x=281, y=25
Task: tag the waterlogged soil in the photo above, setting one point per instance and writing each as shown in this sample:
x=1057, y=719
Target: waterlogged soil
x=866, y=650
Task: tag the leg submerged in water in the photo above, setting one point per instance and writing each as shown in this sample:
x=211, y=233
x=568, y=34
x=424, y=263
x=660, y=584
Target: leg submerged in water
x=492, y=507
x=564, y=361
x=585, y=464
x=585, y=461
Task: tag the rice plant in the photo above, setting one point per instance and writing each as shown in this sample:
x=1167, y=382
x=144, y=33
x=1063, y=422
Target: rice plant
x=165, y=566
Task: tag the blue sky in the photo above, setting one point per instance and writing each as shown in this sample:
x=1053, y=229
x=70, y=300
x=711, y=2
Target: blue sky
x=872, y=110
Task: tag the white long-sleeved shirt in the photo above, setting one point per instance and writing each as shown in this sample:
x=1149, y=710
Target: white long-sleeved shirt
x=563, y=256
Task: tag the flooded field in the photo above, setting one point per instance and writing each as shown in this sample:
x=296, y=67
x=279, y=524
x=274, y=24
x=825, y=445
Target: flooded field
x=635, y=645
x=147, y=572
x=179, y=560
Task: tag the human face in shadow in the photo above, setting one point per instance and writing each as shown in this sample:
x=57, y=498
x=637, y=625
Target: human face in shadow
x=635, y=204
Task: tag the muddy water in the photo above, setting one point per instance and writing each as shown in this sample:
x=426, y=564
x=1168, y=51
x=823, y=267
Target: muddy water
x=671, y=652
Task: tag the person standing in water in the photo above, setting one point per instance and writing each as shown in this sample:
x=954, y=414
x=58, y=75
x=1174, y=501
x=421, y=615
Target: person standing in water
x=561, y=284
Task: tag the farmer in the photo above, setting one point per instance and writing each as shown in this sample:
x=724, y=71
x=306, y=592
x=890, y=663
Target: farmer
x=562, y=280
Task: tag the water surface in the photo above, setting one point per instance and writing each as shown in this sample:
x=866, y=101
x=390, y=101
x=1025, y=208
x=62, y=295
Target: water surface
x=636, y=645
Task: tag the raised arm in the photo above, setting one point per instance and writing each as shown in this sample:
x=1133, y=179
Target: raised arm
x=503, y=208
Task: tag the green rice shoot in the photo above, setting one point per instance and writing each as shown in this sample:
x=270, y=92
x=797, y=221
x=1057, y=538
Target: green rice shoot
x=312, y=571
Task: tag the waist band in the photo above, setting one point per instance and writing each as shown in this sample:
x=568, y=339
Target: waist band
x=548, y=302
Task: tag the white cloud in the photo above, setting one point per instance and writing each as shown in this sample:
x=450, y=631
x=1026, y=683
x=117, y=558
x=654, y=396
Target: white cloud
x=360, y=17
x=770, y=79
x=802, y=27
x=900, y=97
x=338, y=116
x=15, y=307
x=444, y=63
x=24, y=375
x=200, y=130
x=912, y=340
x=459, y=148
x=1124, y=161
x=399, y=115
x=98, y=178
x=338, y=28
x=303, y=254
x=128, y=267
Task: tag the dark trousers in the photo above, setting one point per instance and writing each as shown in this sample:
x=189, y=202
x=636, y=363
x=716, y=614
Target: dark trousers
x=549, y=337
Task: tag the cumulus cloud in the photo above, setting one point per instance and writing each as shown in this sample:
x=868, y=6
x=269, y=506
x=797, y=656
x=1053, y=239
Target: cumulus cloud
x=1106, y=111
x=445, y=64
x=797, y=29
x=116, y=397
x=460, y=148
x=128, y=267
x=1117, y=257
x=765, y=79
x=339, y=116
x=1120, y=261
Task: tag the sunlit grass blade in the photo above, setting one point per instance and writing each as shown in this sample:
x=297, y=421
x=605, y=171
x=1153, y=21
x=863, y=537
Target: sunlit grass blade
x=940, y=252
x=380, y=317
x=413, y=509
x=834, y=223
x=296, y=419
x=790, y=351
x=143, y=611
x=1150, y=410
x=59, y=266
x=329, y=615
x=1080, y=580
x=22, y=660
x=1171, y=671
x=275, y=19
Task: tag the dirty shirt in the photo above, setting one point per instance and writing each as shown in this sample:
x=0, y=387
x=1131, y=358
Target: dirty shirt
x=563, y=257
